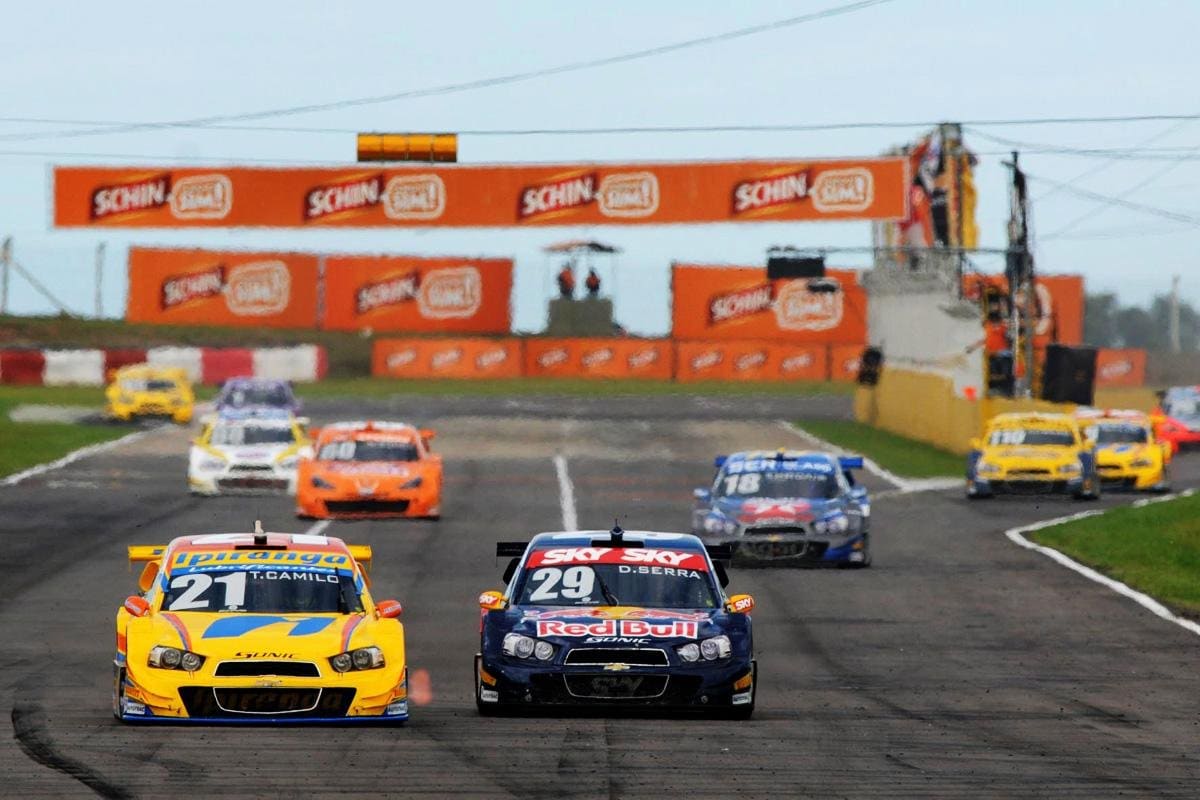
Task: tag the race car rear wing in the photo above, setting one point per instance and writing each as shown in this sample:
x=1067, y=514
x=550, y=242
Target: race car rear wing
x=717, y=552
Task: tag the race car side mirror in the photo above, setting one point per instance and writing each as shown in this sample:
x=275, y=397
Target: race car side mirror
x=137, y=606
x=976, y=444
x=388, y=609
x=703, y=495
x=149, y=573
x=492, y=600
x=740, y=604
x=427, y=434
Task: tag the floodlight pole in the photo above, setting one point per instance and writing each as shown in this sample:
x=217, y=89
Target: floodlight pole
x=5, y=258
x=100, y=281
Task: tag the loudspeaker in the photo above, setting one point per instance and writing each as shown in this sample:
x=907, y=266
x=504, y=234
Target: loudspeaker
x=795, y=267
x=1000, y=373
x=1069, y=375
x=869, y=365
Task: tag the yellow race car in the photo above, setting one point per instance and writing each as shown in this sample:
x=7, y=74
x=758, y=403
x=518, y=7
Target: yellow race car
x=142, y=390
x=258, y=627
x=1032, y=453
x=1128, y=455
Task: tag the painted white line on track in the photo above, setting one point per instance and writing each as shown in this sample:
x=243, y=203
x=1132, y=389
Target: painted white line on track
x=1144, y=600
x=318, y=527
x=566, y=494
x=903, y=485
x=73, y=456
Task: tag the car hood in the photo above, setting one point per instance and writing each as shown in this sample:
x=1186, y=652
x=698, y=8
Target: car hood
x=264, y=636
x=253, y=452
x=759, y=509
x=1128, y=450
x=1025, y=453
x=608, y=624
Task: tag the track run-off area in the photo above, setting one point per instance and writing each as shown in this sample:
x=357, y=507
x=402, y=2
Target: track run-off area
x=958, y=664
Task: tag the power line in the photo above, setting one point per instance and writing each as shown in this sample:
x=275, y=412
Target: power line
x=482, y=83
x=1116, y=201
x=119, y=126
x=1133, y=152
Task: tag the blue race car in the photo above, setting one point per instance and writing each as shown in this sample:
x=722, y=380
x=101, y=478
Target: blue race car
x=615, y=619
x=240, y=394
x=786, y=506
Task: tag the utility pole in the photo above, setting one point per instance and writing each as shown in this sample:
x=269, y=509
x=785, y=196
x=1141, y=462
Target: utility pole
x=100, y=281
x=5, y=258
x=1019, y=272
x=1173, y=318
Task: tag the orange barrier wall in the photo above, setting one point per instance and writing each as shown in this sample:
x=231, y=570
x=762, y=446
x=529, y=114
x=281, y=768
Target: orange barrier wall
x=406, y=293
x=599, y=358
x=844, y=362
x=1059, y=303
x=740, y=303
x=209, y=287
x=447, y=358
x=1120, y=367
x=496, y=195
x=749, y=361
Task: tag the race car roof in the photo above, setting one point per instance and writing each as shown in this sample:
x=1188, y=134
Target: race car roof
x=254, y=414
x=676, y=541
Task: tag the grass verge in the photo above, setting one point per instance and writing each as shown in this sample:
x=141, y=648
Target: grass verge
x=23, y=445
x=1155, y=548
x=905, y=457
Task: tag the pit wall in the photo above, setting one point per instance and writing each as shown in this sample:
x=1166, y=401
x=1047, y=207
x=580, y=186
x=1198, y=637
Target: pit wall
x=925, y=406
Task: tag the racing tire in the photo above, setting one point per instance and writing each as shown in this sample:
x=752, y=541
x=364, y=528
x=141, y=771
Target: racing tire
x=118, y=694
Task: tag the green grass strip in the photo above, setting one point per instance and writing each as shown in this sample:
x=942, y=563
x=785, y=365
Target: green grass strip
x=1155, y=549
x=904, y=457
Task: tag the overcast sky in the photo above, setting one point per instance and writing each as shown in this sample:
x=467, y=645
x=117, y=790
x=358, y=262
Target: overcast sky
x=902, y=60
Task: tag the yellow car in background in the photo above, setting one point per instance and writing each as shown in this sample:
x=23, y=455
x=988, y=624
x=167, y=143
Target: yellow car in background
x=1032, y=453
x=1128, y=456
x=142, y=390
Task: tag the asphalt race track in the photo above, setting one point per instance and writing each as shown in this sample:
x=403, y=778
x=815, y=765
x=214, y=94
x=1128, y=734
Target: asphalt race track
x=958, y=665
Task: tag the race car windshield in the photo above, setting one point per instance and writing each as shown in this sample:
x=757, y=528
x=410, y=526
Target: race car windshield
x=350, y=450
x=617, y=584
x=233, y=435
x=151, y=385
x=807, y=485
x=272, y=591
x=1183, y=409
x=1033, y=437
x=1120, y=434
x=275, y=396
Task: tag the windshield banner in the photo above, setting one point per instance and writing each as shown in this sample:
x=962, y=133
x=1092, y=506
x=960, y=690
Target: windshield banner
x=618, y=555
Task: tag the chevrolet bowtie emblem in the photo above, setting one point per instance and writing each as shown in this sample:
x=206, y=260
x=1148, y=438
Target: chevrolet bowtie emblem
x=615, y=667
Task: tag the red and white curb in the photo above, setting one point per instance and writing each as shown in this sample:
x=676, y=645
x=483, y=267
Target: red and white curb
x=1147, y=602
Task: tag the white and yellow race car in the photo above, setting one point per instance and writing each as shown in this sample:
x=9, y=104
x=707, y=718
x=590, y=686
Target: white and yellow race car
x=258, y=450
x=258, y=627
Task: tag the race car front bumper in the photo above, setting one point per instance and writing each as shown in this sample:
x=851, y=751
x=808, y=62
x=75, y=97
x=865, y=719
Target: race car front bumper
x=183, y=698
x=510, y=682
x=402, y=503
x=259, y=480
x=795, y=548
x=1115, y=475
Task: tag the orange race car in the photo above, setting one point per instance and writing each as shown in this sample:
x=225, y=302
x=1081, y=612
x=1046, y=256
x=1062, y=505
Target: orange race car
x=370, y=469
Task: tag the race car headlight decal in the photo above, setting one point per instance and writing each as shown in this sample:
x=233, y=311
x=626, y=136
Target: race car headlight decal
x=362, y=658
x=174, y=658
x=543, y=651
x=320, y=483
x=987, y=468
x=125, y=400
x=689, y=652
x=415, y=483
x=517, y=645
x=716, y=647
x=1070, y=468
x=211, y=465
x=1141, y=463
x=836, y=524
x=290, y=462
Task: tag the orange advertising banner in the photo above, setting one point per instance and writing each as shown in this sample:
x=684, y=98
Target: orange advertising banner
x=599, y=358
x=207, y=287
x=1059, y=304
x=407, y=293
x=424, y=195
x=1120, y=367
x=446, y=358
x=749, y=361
x=710, y=302
x=844, y=361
